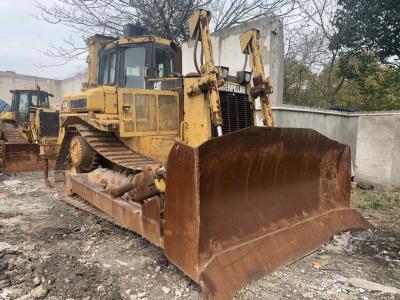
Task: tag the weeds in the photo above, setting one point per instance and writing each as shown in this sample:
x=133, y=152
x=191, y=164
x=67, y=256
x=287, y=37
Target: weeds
x=384, y=201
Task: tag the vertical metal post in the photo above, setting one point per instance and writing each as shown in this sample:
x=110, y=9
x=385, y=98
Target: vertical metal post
x=258, y=68
x=262, y=86
x=46, y=172
x=210, y=69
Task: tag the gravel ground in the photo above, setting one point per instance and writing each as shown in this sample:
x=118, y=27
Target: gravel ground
x=50, y=250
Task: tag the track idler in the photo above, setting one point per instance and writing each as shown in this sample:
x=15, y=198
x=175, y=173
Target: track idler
x=241, y=206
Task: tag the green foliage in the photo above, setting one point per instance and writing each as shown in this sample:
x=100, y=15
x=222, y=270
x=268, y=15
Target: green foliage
x=381, y=200
x=377, y=84
x=299, y=85
x=307, y=88
x=367, y=85
x=359, y=71
x=368, y=26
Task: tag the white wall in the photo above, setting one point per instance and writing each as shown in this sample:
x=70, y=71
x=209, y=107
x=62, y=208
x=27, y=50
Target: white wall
x=59, y=88
x=227, y=51
x=374, y=139
x=10, y=81
x=73, y=84
x=337, y=126
x=378, y=150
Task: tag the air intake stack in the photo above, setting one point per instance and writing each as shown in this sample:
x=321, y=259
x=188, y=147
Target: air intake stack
x=131, y=30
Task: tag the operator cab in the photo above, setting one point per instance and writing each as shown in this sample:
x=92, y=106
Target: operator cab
x=134, y=62
x=25, y=101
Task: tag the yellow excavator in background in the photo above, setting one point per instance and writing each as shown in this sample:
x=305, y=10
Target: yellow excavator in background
x=179, y=160
x=29, y=133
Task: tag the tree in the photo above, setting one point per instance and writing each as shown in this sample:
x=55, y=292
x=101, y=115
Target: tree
x=377, y=84
x=368, y=85
x=369, y=26
x=309, y=43
x=228, y=13
x=166, y=18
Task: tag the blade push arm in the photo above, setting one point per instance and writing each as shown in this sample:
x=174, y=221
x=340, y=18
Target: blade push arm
x=261, y=84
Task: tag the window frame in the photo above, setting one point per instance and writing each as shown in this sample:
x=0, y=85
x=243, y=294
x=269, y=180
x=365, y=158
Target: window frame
x=169, y=53
x=150, y=62
x=121, y=65
x=106, y=55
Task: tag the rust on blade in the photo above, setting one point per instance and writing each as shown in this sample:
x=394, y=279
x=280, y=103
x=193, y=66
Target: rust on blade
x=233, y=268
x=17, y=154
x=242, y=205
x=20, y=157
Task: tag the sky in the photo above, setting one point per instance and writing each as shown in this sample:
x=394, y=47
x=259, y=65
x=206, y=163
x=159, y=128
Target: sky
x=24, y=39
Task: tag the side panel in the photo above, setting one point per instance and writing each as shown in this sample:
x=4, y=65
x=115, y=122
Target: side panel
x=49, y=123
x=196, y=127
x=148, y=112
x=110, y=102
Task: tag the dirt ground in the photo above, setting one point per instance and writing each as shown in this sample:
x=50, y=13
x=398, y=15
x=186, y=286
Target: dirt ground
x=50, y=250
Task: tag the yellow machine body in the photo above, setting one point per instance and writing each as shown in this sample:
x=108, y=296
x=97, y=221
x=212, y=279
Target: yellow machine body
x=29, y=132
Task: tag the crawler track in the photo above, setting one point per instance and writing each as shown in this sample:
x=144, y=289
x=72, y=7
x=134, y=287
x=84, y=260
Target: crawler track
x=105, y=144
x=12, y=134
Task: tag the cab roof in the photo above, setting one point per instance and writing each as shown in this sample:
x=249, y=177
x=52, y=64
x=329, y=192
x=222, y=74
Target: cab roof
x=29, y=91
x=140, y=40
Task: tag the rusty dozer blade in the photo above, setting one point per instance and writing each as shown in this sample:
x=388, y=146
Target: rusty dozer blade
x=20, y=157
x=245, y=204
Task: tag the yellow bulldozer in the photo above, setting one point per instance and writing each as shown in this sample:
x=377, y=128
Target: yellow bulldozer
x=28, y=132
x=180, y=160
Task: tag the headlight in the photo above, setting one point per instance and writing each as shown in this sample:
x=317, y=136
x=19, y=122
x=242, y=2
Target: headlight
x=243, y=77
x=224, y=72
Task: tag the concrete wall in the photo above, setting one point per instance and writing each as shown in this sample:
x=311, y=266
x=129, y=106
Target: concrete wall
x=59, y=88
x=10, y=81
x=227, y=51
x=374, y=139
x=339, y=127
x=378, y=150
x=73, y=84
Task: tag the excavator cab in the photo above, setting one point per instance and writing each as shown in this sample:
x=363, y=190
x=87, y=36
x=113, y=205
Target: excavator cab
x=180, y=160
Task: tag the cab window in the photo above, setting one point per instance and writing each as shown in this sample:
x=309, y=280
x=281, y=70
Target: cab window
x=164, y=62
x=43, y=99
x=107, y=67
x=135, y=67
x=23, y=102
